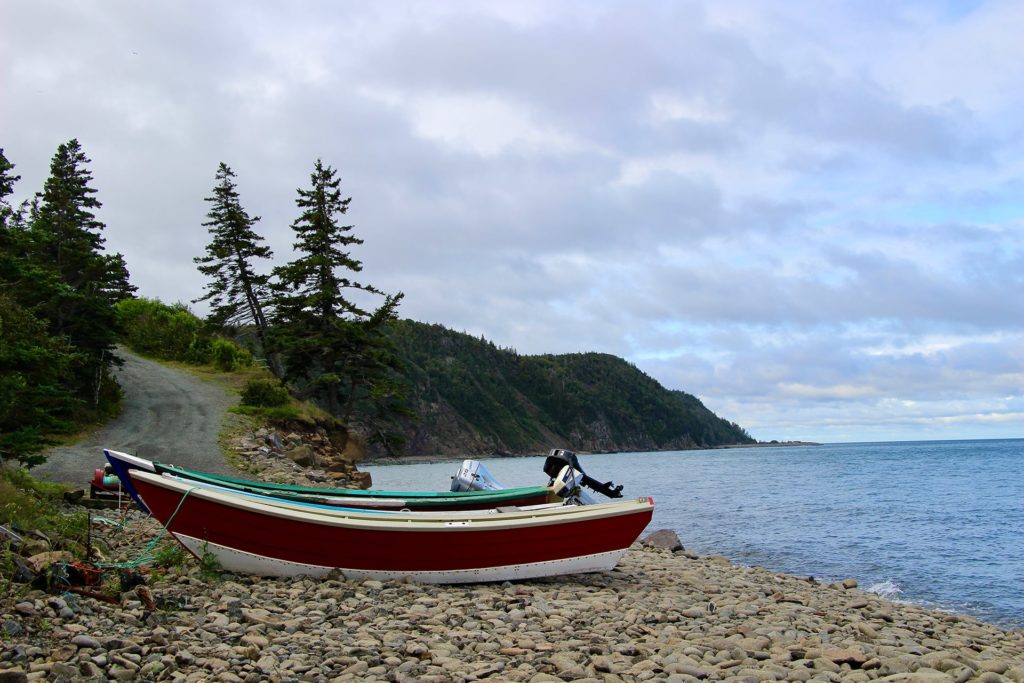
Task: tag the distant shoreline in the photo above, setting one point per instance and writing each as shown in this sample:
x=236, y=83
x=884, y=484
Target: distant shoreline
x=771, y=444
x=423, y=459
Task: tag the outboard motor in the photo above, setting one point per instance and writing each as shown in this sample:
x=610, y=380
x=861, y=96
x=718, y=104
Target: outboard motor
x=569, y=486
x=559, y=458
x=473, y=476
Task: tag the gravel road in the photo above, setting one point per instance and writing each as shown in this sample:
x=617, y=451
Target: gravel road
x=167, y=415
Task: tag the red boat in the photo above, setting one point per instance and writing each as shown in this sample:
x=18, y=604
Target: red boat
x=247, y=535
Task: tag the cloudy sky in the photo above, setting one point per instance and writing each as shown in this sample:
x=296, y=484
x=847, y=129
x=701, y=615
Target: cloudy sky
x=810, y=215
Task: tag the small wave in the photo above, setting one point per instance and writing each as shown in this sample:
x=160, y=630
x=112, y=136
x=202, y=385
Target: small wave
x=888, y=589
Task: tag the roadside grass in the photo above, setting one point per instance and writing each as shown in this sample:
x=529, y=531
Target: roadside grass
x=232, y=428
x=231, y=381
x=235, y=381
x=29, y=504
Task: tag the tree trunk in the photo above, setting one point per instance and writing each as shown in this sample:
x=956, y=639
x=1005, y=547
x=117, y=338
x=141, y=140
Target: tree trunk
x=97, y=383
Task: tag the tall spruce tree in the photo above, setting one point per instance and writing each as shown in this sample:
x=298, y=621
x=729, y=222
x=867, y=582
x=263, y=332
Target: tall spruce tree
x=7, y=181
x=236, y=291
x=331, y=345
x=10, y=229
x=35, y=401
x=79, y=284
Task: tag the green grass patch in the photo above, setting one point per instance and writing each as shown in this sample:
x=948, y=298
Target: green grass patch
x=170, y=555
x=28, y=504
x=210, y=569
x=269, y=413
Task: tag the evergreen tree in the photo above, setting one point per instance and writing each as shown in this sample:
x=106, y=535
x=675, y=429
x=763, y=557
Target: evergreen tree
x=10, y=229
x=236, y=291
x=330, y=344
x=57, y=324
x=21, y=277
x=35, y=400
x=7, y=180
x=79, y=285
x=311, y=284
x=66, y=228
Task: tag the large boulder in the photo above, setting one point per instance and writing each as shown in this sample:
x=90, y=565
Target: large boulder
x=302, y=455
x=353, y=451
x=663, y=538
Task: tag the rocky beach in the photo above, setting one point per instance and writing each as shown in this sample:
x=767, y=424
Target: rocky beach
x=664, y=613
x=661, y=615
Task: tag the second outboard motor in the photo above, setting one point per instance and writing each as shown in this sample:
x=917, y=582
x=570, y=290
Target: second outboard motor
x=569, y=485
x=473, y=476
x=560, y=457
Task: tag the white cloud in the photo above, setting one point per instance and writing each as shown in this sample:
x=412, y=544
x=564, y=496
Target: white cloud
x=669, y=107
x=486, y=125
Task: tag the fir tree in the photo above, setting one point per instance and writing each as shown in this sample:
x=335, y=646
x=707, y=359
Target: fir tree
x=78, y=285
x=311, y=284
x=7, y=180
x=330, y=343
x=11, y=230
x=236, y=291
x=35, y=400
x=67, y=231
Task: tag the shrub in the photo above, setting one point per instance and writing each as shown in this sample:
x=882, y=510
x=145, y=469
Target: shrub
x=265, y=393
x=199, y=352
x=156, y=329
x=175, y=333
x=227, y=356
x=222, y=353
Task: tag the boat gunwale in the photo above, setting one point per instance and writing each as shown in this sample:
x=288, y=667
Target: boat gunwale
x=439, y=496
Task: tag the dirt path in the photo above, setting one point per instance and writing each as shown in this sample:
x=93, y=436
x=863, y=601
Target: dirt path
x=167, y=415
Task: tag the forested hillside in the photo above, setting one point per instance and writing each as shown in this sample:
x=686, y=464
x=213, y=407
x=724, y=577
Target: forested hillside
x=473, y=397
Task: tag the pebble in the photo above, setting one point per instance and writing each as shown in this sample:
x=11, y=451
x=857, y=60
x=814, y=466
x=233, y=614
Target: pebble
x=86, y=641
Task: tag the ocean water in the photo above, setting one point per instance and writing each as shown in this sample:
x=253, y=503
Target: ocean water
x=937, y=523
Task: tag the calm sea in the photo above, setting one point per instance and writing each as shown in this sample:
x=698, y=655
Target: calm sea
x=938, y=523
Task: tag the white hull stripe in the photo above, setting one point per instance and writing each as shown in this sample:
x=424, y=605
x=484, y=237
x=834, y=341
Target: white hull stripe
x=239, y=561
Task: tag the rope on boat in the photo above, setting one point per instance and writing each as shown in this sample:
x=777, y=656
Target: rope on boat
x=147, y=557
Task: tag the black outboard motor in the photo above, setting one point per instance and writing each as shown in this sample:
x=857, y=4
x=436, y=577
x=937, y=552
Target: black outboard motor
x=558, y=458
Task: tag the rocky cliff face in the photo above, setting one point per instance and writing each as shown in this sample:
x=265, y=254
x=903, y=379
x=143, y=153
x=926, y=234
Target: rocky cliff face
x=444, y=433
x=302, y=454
